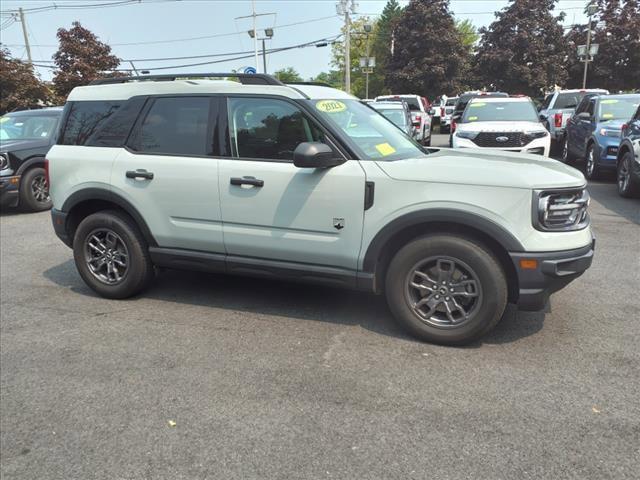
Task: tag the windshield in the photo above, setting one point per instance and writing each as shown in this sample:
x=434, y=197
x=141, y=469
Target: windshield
x=27, y=127
x=396, y=116
x=373, y=137
x=618, y=108
x=500, y=112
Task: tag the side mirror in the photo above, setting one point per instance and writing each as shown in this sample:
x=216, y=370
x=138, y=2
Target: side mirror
x=456, y=117
x=543, y=118
x=586, y=116
x=315, y=155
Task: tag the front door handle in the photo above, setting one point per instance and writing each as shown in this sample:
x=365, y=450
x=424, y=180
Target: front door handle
x=140, y=173
x=247, y=181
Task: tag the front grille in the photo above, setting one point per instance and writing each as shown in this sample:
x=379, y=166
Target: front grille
x=514, y=139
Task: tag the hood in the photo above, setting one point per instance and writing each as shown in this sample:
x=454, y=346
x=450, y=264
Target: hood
x=17, y=145
x=482, y=167
x=500, y=126
x=611, y=124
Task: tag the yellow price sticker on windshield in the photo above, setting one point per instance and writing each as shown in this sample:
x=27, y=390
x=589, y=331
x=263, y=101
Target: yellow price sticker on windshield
x=385, y=149
x=609, y=100
x=607, y=115
x=477, y=104
x=331, y=106
x=472, y=118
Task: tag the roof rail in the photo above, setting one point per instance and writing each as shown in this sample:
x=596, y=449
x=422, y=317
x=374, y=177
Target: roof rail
x=317, y=84
x=244, y=78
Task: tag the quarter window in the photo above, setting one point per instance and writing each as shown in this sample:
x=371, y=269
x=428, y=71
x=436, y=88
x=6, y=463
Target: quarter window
x=268, y=129
x=84, y=119
x=176, y=126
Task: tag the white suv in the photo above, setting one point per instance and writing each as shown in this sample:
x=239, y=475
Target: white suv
x=509, y=124
x=306, y=183
x=420, y=114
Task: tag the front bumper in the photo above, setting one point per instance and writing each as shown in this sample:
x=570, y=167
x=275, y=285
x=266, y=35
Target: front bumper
x=9, y=191
x=59, y=220
x=539, y=146
x=553, y=271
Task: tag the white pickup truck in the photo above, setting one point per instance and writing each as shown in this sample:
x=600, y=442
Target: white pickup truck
x=558, y=107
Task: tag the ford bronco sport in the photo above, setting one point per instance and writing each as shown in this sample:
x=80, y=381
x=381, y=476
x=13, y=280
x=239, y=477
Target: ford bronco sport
x=254, y=177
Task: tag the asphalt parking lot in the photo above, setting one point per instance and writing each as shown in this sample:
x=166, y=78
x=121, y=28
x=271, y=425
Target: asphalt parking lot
x=209, y=376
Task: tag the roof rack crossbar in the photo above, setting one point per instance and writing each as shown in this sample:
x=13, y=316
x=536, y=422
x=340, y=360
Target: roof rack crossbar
x=244, y=78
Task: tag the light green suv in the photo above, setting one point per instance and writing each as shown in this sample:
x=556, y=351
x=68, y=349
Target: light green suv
x=304, y=182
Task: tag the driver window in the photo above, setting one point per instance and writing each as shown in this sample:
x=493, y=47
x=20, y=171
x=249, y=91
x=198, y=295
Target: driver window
x=591, y=108
x=265, y=128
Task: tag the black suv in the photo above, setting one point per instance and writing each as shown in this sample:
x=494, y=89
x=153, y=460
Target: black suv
x=25, y=139
x=628, y=164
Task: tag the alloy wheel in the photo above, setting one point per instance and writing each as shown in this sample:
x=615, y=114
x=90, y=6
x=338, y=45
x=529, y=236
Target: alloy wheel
x=106, y=256
x=591, y=161
x=443, y=292
x=40, y=189
x=624, y=175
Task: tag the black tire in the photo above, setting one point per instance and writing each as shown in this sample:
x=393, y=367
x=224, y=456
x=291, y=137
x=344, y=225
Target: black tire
x=139, y=270
x=34, y=191
x=628, y=186
x=566, y=155
x=485, y=310
x=591, y=167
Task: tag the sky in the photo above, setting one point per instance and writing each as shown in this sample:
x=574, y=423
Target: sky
x=166, y=28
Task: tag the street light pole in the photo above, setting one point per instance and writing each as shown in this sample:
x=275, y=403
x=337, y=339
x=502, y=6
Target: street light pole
x=264, y=56
x=367, y=29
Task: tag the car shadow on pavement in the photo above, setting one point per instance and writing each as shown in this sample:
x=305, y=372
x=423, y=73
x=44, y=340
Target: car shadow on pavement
x=606, y=193
x=292, y=300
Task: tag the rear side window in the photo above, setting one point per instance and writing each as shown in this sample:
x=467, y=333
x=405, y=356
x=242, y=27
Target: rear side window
x=176, y=126
x=569, y=100
x=84, y=119
x=114, y=131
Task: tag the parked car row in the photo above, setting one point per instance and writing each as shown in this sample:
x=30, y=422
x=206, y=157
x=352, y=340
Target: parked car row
x=420, y=114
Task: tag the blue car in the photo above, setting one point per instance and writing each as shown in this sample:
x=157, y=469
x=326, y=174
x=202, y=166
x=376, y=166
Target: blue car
x=594, y=131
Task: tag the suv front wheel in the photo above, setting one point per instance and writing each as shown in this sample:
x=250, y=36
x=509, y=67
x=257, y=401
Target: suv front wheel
x=111, y=255
x=34, y=190
x=446, y=289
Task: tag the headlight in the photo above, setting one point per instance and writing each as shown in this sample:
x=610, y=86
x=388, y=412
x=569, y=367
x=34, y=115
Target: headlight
x=4, y=162
x=560, y=210
x=468, y=135
x=537, y=134
x=606, y=132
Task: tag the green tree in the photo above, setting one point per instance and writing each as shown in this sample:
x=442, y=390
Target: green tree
x=427, y=57
x=360, y=41
x=332, y=77
x=287, y=74
x=20, y=87
x=523, y=50
x=468, y=34
x=381, y=45
x=81, y=58
x=615, y=28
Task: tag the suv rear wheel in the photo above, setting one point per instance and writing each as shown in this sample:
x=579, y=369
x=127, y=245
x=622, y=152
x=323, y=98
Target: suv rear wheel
x=446, y=289
x=111, y=255
x=34, y=191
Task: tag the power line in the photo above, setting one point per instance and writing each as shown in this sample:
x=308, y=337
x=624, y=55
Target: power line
x=119, y=3
x=248, y=55
x=204, y=37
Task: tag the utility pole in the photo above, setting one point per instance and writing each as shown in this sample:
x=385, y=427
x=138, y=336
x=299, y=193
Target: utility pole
x=26, y=37
x=253, y=33
x=346, y=7
x=591, y=10
x=264, y=56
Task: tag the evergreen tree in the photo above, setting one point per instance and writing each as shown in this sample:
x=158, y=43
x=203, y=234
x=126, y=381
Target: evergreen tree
x=523, y=51
x=81, y=58
x=428, y=57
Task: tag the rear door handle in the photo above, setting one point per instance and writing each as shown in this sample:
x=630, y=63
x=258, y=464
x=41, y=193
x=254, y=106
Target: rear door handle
x=140, y=173
x=247, y=181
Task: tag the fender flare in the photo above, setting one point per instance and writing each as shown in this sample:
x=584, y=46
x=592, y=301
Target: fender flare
x=443, y=215
x=93, y=193
x=27, y=164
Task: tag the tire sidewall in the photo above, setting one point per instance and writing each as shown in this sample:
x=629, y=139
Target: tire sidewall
x=27, y=200
x=484, y=265
x=138, y=256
